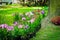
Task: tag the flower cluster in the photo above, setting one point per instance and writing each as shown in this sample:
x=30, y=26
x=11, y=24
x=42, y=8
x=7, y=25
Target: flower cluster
x=23, y=18
x=30, y=15
x=20, y=26
x=9, y=28
x=5, y=26
x=42, y=12
x=15, y=23
x=32, y=20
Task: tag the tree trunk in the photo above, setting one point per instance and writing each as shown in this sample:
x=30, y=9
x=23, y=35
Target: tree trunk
x=54, y=10
x=54, y=5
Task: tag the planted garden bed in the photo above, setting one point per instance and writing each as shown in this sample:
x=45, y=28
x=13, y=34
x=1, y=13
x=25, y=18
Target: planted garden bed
x=20, y=26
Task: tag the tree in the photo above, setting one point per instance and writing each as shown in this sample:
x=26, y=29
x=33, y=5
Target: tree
x=54, y=4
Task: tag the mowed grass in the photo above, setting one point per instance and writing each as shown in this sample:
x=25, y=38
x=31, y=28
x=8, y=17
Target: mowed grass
x=21, y=9
x=48, y=34
x=7, y=13
x=48, y=31
x=13, y=10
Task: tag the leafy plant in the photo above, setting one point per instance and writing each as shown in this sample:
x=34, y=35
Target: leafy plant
x=21, y=25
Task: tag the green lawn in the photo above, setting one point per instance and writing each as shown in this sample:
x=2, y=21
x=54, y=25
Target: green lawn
x=8, y=12
x=48, y=31
x=20, y=10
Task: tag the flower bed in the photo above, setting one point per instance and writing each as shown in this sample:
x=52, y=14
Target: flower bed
x=20, y=25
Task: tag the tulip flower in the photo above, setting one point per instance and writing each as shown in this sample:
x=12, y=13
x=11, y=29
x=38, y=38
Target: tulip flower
x=15, y=23
x=9, y=28
x=4, y=26
x=23, y=18
x=20, y=26
x=26, y=26
x=32, y=20
x=42, y=11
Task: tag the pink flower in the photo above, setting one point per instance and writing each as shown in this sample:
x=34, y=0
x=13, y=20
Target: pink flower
x=26, y=26
x=15, y=23
x=23, y=18
x=42, y=12
x=10, y=28
x=20, y=26
x=32, y=20
x=4, y=26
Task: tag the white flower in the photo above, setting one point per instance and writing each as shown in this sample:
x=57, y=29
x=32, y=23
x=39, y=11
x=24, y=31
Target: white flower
x=31, y=13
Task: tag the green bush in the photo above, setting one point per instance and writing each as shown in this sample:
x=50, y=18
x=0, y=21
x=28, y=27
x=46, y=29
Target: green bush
x=18, y=25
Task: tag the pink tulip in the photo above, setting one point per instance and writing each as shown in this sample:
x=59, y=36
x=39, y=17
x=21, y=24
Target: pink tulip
x=26, y=26
x=23, y=18
x=15, y=23
x=10, y=28
x=20, y=26
x=42, y=12
x=32, y=20
x=4, y=26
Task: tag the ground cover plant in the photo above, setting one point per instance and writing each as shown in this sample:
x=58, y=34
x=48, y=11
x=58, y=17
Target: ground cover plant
x=19, y=24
